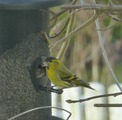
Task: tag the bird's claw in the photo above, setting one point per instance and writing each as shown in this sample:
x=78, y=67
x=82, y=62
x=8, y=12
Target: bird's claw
x=51, y=89
x=58, y=91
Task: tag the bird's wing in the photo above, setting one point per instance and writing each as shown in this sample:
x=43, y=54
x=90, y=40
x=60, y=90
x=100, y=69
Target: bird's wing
x=65, y=74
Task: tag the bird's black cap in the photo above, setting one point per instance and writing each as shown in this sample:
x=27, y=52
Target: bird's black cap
x=49, y=59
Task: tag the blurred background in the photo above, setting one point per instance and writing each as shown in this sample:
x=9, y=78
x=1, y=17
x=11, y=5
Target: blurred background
x=82, y=54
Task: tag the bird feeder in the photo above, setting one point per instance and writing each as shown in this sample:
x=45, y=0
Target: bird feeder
x=22, y=24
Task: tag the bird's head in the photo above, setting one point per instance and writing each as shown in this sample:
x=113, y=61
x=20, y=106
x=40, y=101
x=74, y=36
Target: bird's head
x=50, y=62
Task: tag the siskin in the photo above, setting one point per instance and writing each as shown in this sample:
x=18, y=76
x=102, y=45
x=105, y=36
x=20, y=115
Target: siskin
x=61, y=76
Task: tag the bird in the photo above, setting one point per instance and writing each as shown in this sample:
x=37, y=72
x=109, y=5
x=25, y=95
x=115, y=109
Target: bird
x=60, y=75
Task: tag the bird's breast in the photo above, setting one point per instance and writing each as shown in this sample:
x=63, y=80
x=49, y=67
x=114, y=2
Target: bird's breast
x=50, y=73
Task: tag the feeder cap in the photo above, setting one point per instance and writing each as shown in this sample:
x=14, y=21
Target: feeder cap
x=29, y=4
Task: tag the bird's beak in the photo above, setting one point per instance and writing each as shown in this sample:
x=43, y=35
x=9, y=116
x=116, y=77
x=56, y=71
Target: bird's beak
x=45, y=64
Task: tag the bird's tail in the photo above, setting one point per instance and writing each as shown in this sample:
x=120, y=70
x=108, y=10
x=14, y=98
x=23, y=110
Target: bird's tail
x=79, y=82
x=88, y=86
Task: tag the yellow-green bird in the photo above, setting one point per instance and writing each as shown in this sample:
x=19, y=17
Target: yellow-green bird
x=61, y=76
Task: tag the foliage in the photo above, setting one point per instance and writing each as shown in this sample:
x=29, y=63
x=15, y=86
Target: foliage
x=82, y=50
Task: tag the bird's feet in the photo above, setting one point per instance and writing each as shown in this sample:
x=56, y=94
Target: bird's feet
x=51, y=89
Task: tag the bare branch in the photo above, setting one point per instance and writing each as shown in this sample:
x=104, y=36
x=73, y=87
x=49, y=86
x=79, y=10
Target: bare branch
x=40, y=108
x=66, y=43
x=105, y=54
x=62, y=22
x=94, y=97
x=101, y=40
x=56, y=15
x=115, y=18
x=108, y=105
x=89, y=21
x=101, y=7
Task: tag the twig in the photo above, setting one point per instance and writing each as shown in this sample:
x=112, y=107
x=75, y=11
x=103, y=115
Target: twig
x=61, y=31
x=66, y=43
x=114, y=12
x=94, y=97
x=59, y=24
x=109, y=27
x=62, y=22
x=40, y=108
x=102, y=7
x=89, y=21
x=105, y=54
x=56, y=15
x=115, y=18
x=108, y=105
